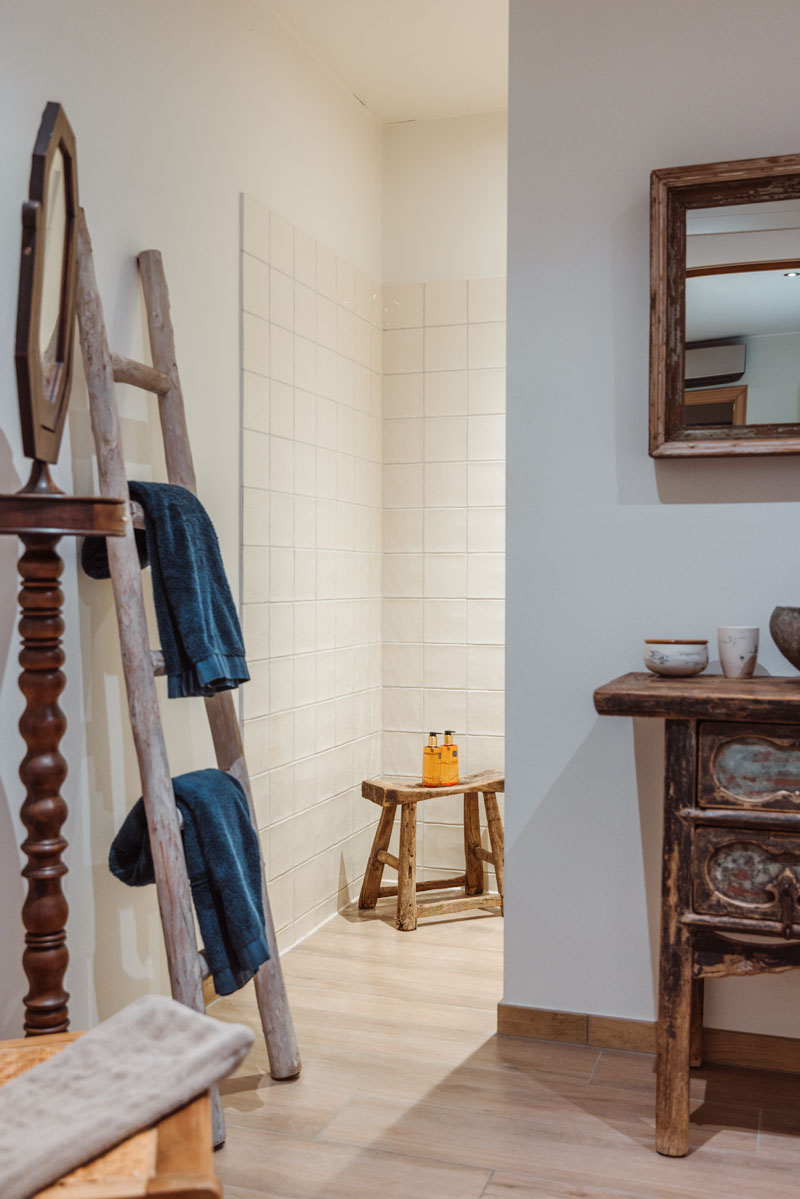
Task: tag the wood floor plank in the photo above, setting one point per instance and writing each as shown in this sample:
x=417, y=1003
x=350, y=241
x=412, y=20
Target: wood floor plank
x=406, y=1090
x=273, y=1166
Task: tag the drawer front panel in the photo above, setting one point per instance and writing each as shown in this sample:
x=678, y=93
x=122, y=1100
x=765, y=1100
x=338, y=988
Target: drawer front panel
x=738, y=872
x=750, y=766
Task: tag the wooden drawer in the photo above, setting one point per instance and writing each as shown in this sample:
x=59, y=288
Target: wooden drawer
x=747, y=874
x=752, y=766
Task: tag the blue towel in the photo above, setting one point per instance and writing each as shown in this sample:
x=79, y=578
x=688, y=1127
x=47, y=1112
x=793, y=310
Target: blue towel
x=201, y=638
x=224, y=866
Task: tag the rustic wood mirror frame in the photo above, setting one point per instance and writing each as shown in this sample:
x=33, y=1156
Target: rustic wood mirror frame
x=42, y=415
x=673, y=192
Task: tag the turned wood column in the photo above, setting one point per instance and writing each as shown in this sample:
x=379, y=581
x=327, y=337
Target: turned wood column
x=43, y=770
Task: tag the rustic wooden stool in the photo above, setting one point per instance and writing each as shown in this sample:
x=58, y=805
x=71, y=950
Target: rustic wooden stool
x=388, y=793
x=170, y=1160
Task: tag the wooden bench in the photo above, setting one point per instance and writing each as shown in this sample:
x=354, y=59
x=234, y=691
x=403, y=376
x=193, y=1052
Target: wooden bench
x=170, y=1160
x=391, y=793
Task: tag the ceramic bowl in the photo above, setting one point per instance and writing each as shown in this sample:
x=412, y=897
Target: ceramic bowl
x=675, y=657
x=784, y=625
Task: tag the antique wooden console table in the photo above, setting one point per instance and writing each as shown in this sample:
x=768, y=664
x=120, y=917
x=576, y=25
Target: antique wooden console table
x=731, y=853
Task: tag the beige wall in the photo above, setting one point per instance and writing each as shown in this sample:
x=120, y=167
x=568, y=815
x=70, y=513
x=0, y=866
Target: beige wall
x=311, y=562
x=444, y=537
x=178, y=107
x=606, y=546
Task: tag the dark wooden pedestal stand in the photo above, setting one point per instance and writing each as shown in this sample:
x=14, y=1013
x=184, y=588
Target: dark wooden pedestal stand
x=41, y=515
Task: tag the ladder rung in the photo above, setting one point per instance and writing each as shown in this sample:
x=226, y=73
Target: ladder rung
x=484, y=854
x=140, y=375
x=388, y=859
x=159, y=668
x=137, y=515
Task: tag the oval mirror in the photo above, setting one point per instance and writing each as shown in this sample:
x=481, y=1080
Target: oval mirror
x=55, y=221
x=47, y=280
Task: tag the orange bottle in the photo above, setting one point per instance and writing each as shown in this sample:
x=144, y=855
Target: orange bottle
x=432, y=762
x=449, y=760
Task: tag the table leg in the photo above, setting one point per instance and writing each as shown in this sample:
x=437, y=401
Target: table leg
x=698, y=997
x=673, y=1033
x=407, y=873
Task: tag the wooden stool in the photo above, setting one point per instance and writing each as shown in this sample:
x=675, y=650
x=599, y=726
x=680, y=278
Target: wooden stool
x=170, y=1160
x=388, y=793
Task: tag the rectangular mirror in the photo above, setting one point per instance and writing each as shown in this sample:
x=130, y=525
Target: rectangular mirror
x=725, y=309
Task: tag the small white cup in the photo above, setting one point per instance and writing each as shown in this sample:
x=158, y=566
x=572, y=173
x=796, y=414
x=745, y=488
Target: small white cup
x=738, y=650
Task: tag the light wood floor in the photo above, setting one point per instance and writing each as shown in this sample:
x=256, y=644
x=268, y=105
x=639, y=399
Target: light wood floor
x=407, y=1092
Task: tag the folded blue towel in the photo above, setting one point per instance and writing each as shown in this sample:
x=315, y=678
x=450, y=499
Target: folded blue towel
x=224, y=866
x=201, y=638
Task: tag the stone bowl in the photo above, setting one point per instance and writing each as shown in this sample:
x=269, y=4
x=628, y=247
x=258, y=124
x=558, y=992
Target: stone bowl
x=784, y=625
x=676, y=658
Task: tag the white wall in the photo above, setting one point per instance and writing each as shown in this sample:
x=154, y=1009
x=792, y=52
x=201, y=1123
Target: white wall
x=605, y=546
x=178, y=107
x=444, y=199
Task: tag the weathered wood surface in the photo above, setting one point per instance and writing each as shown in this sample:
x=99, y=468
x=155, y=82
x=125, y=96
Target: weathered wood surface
x=172, y=884
x=169, y=864
x=371, y=886
x=497, y=840
x=407, y=870
x=716, y=956
x=710, y=697
x=430, y=884
x=472, y=845
x=43, y=770
x=273, y=1004
x=672, y=192
x=391, y=789
x=696, y=1029
x=138, y=374
x=744, y=818
x=750, y=767
x=675, y=962
x=383, y=791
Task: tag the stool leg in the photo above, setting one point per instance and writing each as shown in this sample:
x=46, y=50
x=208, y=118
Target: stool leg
x=374, y=871
x=497, y=841
x=474, y=884
x=407, y=873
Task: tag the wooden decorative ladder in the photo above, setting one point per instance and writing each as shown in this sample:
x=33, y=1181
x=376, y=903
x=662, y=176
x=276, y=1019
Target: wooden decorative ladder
x=187, y=965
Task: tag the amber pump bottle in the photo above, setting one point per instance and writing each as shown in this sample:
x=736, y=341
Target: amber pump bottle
x=449, y=760
x=432, y=762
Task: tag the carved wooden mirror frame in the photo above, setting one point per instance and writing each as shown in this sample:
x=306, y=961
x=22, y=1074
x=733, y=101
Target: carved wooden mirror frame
x=42, y=415
x=673, y=192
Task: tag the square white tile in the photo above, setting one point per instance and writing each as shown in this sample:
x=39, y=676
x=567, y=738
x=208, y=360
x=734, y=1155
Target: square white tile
x=445, y=621
x=487, y=438
x=445, y=393
x=402, y=306
x=445, y=666
x=445, y=484
x=445, y=438
x=445, y=530
x=445, y=348
x=487, y=530
x=402, y=351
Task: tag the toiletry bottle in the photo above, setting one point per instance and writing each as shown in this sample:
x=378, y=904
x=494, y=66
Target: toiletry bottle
x=449, y=760
x=432, y=762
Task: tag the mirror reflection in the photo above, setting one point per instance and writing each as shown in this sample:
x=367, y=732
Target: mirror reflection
x=52, y=276
x=742, y=348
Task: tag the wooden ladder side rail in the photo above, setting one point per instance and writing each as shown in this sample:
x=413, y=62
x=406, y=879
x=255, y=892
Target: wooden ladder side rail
x=169, y=864
x=273, y=1004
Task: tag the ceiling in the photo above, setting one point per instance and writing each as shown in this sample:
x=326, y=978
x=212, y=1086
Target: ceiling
x=409, y=60
x=741, y=305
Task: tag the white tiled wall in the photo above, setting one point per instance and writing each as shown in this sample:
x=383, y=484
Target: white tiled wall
x=311, y=562
x=443, y=537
